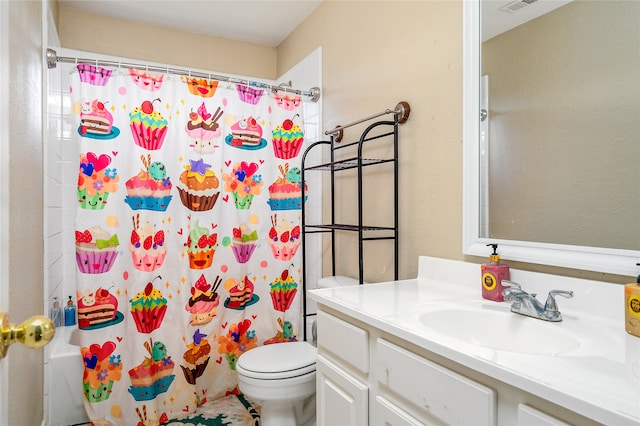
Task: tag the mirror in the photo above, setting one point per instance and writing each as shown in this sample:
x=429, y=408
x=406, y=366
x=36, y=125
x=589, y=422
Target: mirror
x=609, y=240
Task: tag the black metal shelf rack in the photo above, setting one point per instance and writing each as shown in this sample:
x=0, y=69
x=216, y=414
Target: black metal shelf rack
x=385, y=131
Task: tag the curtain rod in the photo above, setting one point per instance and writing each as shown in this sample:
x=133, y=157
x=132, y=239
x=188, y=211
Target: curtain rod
x=53, y=59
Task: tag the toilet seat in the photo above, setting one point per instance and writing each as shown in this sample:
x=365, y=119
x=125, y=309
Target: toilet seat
x=278, y=361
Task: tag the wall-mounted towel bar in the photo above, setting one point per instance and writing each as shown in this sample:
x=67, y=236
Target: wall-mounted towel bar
x=402, y=109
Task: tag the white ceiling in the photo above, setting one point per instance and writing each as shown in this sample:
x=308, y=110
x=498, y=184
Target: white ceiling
x=264, y=22
x=496, y=21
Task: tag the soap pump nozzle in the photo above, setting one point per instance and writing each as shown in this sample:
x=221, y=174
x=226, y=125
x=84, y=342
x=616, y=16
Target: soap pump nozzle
x=494, y=257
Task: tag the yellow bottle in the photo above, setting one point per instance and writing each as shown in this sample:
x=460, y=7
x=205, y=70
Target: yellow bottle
x=632, y=307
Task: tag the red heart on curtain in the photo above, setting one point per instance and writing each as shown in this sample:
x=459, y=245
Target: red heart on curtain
x=99, y=163
x=249, y=168
x=102, y=351
x=243, y=327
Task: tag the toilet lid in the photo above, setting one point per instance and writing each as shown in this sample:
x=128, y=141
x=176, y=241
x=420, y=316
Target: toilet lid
x=278, y=360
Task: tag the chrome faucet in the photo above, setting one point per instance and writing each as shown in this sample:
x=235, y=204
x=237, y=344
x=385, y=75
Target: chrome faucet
x=524, y=303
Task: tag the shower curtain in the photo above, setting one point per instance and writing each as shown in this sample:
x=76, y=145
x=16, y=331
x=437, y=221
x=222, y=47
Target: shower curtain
x=187, y=236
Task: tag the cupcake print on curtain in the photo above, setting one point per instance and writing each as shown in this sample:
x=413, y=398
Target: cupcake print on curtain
x=187, y=236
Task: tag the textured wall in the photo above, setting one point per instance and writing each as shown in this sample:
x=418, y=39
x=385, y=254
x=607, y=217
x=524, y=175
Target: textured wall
x=374, y=55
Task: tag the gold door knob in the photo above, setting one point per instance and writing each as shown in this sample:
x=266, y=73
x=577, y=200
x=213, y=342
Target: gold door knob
x=34, y=332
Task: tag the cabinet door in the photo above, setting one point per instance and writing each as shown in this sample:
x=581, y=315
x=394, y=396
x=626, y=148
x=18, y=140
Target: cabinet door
x=341, y=399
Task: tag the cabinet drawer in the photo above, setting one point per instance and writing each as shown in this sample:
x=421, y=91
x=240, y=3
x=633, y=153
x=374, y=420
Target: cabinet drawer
x=448, y=396
x=529, y=416
x=388, y=414
x=345, y=341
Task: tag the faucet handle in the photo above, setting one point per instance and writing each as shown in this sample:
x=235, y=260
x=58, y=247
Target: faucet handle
x=551, y=305
x=508, y=283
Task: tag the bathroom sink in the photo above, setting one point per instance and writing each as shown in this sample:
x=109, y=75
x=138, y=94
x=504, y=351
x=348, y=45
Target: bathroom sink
x=498, y=329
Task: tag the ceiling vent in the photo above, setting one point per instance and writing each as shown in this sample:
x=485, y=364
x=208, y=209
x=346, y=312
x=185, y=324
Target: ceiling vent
x=514, y=6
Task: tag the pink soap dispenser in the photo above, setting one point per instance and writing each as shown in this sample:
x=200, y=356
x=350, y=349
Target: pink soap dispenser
x=492, y=275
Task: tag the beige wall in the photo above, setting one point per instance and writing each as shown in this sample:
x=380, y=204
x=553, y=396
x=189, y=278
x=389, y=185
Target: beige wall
x=25, y=204
x=376, y=54
x=99, y=34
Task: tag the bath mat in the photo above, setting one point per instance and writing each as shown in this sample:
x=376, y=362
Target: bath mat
x=232, y=410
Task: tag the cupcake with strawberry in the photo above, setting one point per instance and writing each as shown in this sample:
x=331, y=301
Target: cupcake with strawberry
x=283, y=290
x=147, y=246
x=96, y=250
x=284, y=238
x=201, y=246
x=148, y=126
x=287, y=139
x=244, y=242
x=148, y=308
x=204, y=301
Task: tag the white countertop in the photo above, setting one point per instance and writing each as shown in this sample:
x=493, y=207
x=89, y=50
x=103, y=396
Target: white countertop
x=599, y=380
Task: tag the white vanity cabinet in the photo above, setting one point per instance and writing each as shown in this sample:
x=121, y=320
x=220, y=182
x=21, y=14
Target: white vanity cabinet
x=364, y=381
x=342, y=369
x=366, y=376
x=383, y=361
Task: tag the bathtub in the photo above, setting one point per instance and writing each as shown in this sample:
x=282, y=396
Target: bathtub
x=64, y=380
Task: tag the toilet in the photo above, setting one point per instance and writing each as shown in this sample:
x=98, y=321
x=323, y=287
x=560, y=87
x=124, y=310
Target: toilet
x=281, y=377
